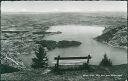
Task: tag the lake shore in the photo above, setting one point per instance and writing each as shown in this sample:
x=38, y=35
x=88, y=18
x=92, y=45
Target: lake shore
x=121, y=47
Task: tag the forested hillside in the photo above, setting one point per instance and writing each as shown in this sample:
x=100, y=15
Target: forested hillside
x=115, y=35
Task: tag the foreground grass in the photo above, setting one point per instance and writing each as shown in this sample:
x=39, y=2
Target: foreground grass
x=70, y=75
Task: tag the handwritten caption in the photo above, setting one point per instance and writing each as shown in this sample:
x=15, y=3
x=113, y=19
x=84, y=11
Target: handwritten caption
x=101, y=75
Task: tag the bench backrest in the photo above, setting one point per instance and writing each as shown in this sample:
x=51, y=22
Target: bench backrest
x=70, y=58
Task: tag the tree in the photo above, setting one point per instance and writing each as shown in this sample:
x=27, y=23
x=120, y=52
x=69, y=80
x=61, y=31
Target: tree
x=105, y=61
x=41, y=60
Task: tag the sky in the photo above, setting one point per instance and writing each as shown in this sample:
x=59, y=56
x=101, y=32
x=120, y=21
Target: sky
x=63, y=6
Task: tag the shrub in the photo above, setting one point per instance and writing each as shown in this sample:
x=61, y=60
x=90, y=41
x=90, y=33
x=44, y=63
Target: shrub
x=105, y=61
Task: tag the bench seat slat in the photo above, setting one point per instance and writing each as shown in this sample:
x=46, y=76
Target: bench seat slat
x=69, y=58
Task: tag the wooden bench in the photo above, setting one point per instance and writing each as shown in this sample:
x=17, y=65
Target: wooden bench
x=70, y=58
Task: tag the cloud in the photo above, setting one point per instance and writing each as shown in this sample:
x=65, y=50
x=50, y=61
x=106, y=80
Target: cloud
x=62, y=6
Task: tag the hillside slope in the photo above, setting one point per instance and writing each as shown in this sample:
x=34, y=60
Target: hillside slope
x=115, y=36
x=117, y=73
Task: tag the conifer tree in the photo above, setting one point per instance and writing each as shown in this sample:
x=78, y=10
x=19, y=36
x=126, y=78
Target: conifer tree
x=41, y=60
x=105, y=61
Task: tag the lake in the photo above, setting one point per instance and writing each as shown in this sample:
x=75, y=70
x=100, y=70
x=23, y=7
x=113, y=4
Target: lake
x=84, y=34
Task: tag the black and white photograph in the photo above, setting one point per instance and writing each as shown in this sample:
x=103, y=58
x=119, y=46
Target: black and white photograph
x=64, y=41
